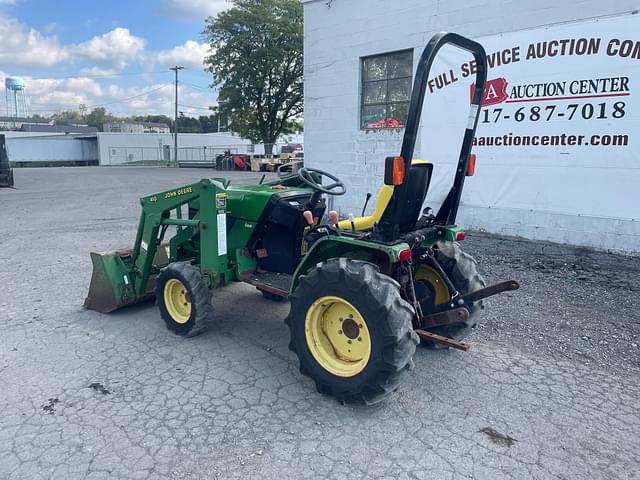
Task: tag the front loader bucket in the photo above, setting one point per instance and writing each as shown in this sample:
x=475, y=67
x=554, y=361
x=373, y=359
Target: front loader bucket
x=111, y=286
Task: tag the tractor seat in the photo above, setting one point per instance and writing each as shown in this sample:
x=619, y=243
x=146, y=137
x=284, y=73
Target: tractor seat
x=384, y=196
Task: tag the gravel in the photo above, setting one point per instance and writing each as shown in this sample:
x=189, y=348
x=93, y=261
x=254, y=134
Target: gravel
x=573, y=302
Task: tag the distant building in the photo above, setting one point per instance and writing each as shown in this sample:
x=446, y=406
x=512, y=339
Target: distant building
x=16, y=123
x=136, y=127
x=46, y=128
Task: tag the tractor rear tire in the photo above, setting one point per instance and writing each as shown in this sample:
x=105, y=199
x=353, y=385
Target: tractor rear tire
x=184, y=301
x=345, y=304
x=462, y=270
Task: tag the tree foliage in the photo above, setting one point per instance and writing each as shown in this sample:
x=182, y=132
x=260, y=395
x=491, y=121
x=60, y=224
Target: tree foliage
x=151, y=118
x=98, y=117
x=208, y=123
x=257, y=62
x=67, y=117
x=189, y=125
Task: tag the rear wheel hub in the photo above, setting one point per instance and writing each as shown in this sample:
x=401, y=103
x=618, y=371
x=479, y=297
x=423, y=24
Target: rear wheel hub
x=337, y=336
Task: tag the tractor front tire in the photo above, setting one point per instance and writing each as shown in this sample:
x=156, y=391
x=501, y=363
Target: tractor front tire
x=351, y=330
x=184, y=301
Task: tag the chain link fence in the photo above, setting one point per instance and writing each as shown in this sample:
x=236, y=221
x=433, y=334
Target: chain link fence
x=219, y=156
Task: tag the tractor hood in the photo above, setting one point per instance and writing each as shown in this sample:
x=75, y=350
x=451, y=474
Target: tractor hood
x=247, y=202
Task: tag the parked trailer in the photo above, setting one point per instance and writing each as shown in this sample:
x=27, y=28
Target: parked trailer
x=6, y=172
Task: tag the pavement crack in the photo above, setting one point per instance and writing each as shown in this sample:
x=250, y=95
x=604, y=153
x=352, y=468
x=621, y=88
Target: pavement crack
x=497, y=437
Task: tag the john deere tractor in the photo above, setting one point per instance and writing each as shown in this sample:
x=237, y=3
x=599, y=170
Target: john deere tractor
x=363, y=291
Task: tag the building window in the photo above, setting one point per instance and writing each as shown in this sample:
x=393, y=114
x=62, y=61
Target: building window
x=386, y=89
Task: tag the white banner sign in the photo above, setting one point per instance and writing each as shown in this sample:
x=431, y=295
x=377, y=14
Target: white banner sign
x=559, y=130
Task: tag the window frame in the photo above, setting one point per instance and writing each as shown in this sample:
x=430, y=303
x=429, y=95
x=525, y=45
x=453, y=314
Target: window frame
x=387, y=103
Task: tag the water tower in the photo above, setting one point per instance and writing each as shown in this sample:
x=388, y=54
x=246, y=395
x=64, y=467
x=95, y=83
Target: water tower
x=16, y=104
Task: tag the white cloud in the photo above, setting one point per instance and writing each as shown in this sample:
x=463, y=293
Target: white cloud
x=159, y=101
x=109, y=53
x=116, y=48
x=21, y=46
x=190, y=54
x=101, y=56
x=98, y=71
x=7, y=2
x=47, y=95
x=193, y=9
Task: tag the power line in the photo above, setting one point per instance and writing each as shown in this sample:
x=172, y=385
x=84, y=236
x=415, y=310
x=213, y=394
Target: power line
x=101, y=75
x=129, y=98
x=126, y=99
x=197, y=87
x=193, y=106
x=120, y=100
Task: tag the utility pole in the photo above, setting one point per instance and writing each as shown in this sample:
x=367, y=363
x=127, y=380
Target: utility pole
x=175, y=118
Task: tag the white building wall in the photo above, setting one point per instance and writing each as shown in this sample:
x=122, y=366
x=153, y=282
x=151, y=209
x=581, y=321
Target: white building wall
x=340, y=32
x=50, y=148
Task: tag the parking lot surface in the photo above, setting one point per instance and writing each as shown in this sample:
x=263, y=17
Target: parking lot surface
x=549, y=389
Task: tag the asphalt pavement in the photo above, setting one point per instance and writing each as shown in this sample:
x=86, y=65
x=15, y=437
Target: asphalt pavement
x=549, y=389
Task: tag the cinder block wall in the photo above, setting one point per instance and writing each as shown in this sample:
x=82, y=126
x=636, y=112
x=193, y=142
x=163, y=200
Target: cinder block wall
x=339, y=32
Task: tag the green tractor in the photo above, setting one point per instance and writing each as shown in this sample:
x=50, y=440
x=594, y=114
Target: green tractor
x=363, y=291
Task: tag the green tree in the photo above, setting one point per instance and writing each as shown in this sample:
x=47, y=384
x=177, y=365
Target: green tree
x=208, y=123
x=188, y=124
x=67, y=117
x=153, y=119
x=97, y=117
x=257, y=62
x=39, y=118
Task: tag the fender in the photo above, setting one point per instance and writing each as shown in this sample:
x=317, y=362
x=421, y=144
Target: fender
x=384, y=256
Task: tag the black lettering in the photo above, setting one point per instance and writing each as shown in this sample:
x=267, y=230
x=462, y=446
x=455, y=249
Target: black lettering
x=531, y=51
x=581, y=46
x=515, y=54
x=625, y=48
x=624, y=84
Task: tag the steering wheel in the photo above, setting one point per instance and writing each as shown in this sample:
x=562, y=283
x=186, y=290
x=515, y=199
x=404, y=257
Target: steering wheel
x=287, y=170
x=305, y=174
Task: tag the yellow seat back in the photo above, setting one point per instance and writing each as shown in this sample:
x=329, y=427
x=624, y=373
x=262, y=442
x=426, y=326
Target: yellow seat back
x=384, y=196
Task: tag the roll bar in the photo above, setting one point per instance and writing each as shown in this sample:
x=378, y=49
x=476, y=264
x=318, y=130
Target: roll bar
x=389, y=223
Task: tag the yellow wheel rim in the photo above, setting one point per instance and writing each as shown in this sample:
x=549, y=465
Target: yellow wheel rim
x=337, y=336
x=428, y=274
x=177, y=301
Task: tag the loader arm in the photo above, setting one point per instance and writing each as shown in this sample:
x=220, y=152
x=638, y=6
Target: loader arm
x=156, y=216
x=126, y=277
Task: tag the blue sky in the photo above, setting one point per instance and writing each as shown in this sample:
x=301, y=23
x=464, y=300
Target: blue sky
x=73, y=52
